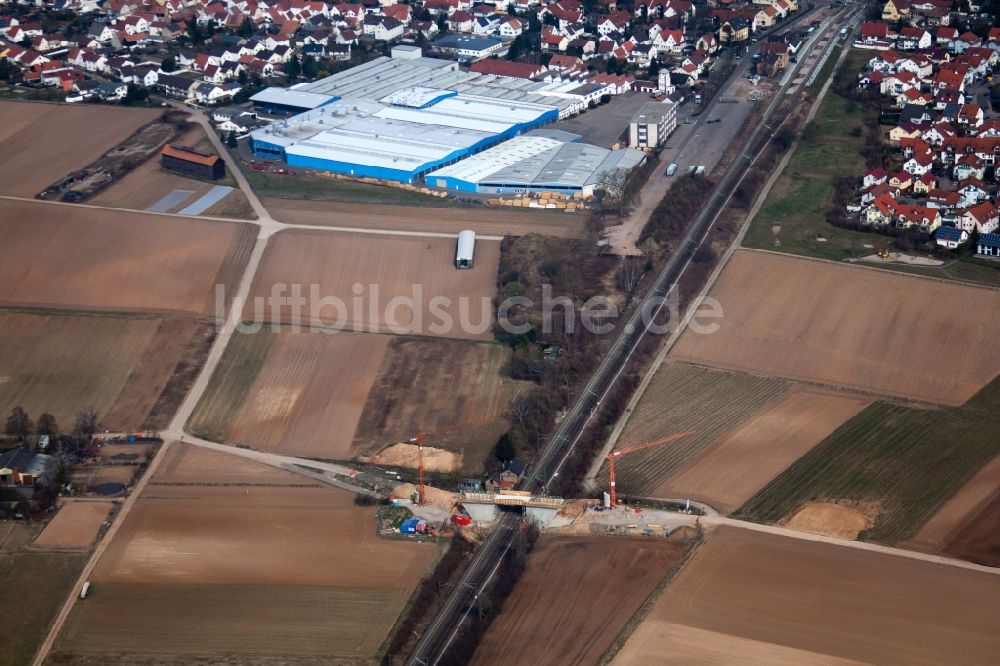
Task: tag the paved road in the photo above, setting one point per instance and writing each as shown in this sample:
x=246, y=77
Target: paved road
x=443, y=628
x=697, y=143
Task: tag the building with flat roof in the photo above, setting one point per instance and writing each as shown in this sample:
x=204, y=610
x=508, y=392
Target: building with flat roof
x=288, y=101
x=399, y=138
x=468, y=47
x=650, y=127
x=539, y=161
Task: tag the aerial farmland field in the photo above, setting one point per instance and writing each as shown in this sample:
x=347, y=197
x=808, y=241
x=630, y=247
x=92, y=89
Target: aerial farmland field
x=113, y=260
x=685, y=397
x=746, y=458
x=191, y=574
x=131, y=369
x=383, y=268
x=75, y=525
x=759, y=598
x=574, y=598
x=967, y=525
x=906, y=462
x=347, y=394
x=793, y=317
x=34, y=138
x=461, y=383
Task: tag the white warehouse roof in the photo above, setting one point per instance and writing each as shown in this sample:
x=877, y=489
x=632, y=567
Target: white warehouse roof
x=538, y=159
x=289, y=97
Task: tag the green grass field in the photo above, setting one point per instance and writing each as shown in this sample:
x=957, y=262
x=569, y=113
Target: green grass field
x=230, y=384
x=908, y=460
x=312, y=186
x=794, y=213
x=34, y=586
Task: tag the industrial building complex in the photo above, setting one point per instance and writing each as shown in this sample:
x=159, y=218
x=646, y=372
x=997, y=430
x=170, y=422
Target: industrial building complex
x=541, y=160
x=408, y=118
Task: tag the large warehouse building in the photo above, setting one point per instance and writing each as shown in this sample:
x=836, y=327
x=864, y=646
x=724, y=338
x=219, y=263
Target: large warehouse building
x=539, y=161
x=401, y=137
x=403, y=117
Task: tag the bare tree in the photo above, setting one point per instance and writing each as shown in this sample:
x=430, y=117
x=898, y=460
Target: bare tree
x=46, y=425
x=19, y=423
x=629, y=274
x=87, y=423
x=519, y=410
x=614, y=184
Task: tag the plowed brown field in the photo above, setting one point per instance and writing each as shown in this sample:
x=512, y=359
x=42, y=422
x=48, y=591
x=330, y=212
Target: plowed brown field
x=574, y=598
x=740, y=463
x=41, y=143
x=827, y=600
x=851, y=327
x=241, y=570
x=384, y=268
x=122, y=366
x=961, y=509
x=308, y=396
x=426, y=385
x=75, y=525
x=73, y=257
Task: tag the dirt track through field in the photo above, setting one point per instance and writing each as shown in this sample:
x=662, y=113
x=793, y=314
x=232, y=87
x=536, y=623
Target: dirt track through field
x=445, y=219
x=93, y=259
x=741, y=462
x=828, y=600
x=851, y=327
x=574, y=597
x=383, y=268
x=41, y=143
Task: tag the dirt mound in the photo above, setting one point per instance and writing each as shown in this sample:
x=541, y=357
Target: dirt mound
x=835, y=519
x=435, y=496
x=407, y=455
x=576, y=509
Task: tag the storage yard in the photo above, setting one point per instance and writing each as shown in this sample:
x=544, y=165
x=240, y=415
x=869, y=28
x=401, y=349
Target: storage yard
x=576, y=595
x=191, y=574
x=761, y=598
x=385, y=267
x=883, y=335
x=152, y=265
x=33, y=160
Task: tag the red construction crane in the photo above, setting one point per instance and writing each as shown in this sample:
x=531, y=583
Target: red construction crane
x=630, y=449
x=419, y=441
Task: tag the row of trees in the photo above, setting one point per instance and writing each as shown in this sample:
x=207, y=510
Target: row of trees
x=20, y=426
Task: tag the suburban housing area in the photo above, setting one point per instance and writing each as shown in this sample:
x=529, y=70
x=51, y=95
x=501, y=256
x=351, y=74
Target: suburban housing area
x=448, y=332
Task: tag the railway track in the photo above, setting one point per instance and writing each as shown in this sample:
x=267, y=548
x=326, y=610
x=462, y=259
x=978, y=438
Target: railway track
x=444, y=627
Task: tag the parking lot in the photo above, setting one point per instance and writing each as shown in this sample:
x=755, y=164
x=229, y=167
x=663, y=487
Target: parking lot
x=604, y=125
